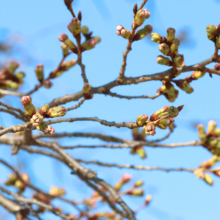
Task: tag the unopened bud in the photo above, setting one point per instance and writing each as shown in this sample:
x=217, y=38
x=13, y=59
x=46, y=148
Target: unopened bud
x=201, y=132
x=98, y=39
x=164, y=123
x=11, y=84
x=11, y=179
x=39, y=70
x=65, y=49
x=209, y=163
x=184, y=85
x=56, y=112
x=12, y=67
x=89, y=44
x=140, y=16
x=139, y=183
x=126, y=178
x=69, y=64
x=197, y=74
x=218, y=42
x=63, y=37
x=163, y=60
x=178, y=60
x=47, y=129
x=74, y=26
x=141, y=152
x=87, y=88
x=211, y=32
x=20, y=75
x=37, y=119
x=143, y=32
x=164, y=48
x=26, y=100
x=175, y=46
x=155, y=37
x=44, y=109
x=211, y=127
x=85, y=30
x=170, y=34
x=136, y=192
x=47, y=84
x=141, y=120
x=217, y=66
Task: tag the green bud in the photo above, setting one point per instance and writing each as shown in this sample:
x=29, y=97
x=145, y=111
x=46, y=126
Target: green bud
x=218, y=42
x=211, y=127
x=141, y=152
x=209, y=163
x=184, y=85
x=211, y=32
x=11, y=85
x=89, y=44
x=143, y=32
x=178, y=60
x=87, y=88
x=139, y=183
x=75, y=26
x=140, y=16
x=69, y=64
x=37, y=119
x=98, y=39
x=46, y=129
x=208, y=179
x=164, y=48
x=170, y=34
x=29, y=109
x=43, y=110
x=197, y=74
x=201, y=133
x=164, y=123
x=141, y=120
x=155, y=37
x=118, y=186
x=47, y=84
x=20, y=75
x=85, y=30
x=39, y=70
x=163, y=60
x=175, y=46
x=70, y=44
x=65, y=49
x=216, y=132
x=56, y=112
x=136, y=192
x=12, y=67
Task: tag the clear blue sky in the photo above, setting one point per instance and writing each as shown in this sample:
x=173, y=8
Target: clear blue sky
x=177, y=195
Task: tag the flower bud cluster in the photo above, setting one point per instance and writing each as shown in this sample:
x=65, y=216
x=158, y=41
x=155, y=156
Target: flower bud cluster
x=162, y=118
x=9, y=79
x=211, y=138
x=13, y=180
x=87, y=91
x=44, y=112
x=168, y=46
x=204, y=176
x=168, y=91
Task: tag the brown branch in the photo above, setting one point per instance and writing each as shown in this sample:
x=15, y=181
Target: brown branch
x=6, y=92
x=76, y=106
x=143, y=3
x=12, y=113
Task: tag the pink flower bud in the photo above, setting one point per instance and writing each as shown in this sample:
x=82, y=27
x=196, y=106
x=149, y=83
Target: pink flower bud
x=26, y=100
x=126, y=178
x=75, y=26
x=63, y=37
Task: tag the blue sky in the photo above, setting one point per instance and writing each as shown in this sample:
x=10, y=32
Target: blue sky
x=177, y=195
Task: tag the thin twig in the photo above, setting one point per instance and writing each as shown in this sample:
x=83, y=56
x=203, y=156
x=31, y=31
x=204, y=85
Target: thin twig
x=76, y=106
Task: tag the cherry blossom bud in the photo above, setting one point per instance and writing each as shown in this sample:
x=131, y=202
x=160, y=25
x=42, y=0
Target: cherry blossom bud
x=197, y=74
x=54, y=191
x=63, y=37
x=169, y=111
x=218, y=42
x=140, y=16
x=164, y=123
x=141, y=152
x=118, y=186
x=175, y=46
x=211, y=127
x=85, y=30
x=69, y=64
x=12, y=67
x=87, y=88
x=39, y=70
x=164, y=60
x=170, y=34
x=56, y=112
x=211, y=32
x=201, y=132
x=141, y=120
x=148, y=200
x=20, y=185
x=155, y=37
x=139, y=183
x=65, y=49
x=178, y=60
x=37, y=119
x=136, y=192
x=216, y=132
x=75, y=26
x=44, y=109
x=47, y=129
x=11, y=84
x=47, y=84
x=143, y=32
x=98, y=39
x=89, y=44
x=20, y=75
x=26, y=100
x=4, y=74
x=164, y=48
x=121, y=31
x=11, y=179
x=70, y=45
x=184, y=85
x=126, y=178
x=209, y=163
